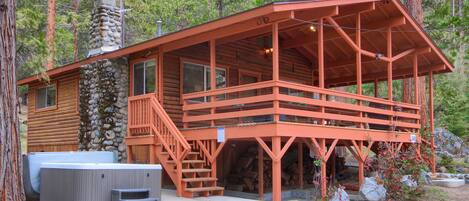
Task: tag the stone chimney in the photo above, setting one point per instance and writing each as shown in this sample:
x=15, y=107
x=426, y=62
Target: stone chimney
x=104, y=86
x=106, y=28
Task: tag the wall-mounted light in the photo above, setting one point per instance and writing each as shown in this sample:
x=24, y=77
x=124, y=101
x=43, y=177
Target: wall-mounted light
x=312, y=28
x=268, y=50
x=379, y=56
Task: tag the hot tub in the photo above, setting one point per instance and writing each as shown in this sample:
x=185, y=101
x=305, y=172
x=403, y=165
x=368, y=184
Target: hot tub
x=95, y=181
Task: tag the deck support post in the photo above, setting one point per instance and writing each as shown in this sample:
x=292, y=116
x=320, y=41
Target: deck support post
x=213, y=80
x=321, y=61
x=416, y=81
x=361, y=157
x=275, y=68
x=416, y=78
x=300, y=165
x=276, y=170
x=432, y=123
x=389, y=65
x=358, y=56
x=323, y=154
x=333, y=162
x=276, y=155
x=361, y=165
x=260, y=166
x=214, y=159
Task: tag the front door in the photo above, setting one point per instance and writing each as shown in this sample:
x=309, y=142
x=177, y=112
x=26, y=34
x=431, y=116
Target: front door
x=143, y=76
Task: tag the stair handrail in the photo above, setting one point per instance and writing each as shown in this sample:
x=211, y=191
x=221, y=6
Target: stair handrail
x=172, y=128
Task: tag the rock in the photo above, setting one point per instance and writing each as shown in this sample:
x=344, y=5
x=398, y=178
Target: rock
x=425, y=177
x=108, y=142
x=121, y=147
x=408, y=181
x=372, y=191
x=449, y=144
x=110, y=135
x=443, y=169
x=340, y=195
x=107, y=126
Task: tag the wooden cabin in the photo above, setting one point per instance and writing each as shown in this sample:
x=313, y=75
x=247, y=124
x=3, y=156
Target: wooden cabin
x=267, y=77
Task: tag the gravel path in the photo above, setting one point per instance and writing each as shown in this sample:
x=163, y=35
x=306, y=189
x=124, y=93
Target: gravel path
x=437, y=193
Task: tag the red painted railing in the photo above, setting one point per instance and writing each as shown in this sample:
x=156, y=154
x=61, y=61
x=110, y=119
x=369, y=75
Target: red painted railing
x=262, y=102
x=147, y=117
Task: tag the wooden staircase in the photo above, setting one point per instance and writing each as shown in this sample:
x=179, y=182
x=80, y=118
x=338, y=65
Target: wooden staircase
x=190, y=167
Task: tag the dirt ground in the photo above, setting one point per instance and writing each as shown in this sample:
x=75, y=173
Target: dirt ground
x=436, y=193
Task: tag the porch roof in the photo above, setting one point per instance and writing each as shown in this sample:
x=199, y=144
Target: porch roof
x=293, y=17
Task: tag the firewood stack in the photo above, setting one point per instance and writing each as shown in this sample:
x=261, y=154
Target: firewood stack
x=244, y=175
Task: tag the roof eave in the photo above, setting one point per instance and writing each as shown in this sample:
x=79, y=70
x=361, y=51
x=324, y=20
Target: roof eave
x=424, y=35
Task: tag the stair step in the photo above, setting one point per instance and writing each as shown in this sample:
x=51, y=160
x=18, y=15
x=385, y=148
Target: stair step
x=188, y=161
x=189, y=153
x=196, y=170
x=199, y=179
x=205, y=189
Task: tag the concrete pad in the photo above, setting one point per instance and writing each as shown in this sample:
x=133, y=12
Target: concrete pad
x=450, y=183
x=171, y=195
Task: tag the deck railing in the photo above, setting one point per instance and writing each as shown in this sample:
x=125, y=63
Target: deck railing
x=147, y=117
x=262, y=102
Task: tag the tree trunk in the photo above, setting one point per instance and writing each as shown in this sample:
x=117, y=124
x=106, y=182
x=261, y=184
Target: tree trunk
x=11, y=182
x=460, y=61
x=221, y=8
x=75, y=4
x=416, y=10
x=50, y=34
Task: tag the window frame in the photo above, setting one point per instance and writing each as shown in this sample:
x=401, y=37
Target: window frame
x=47, y=108
x=158, y=75
x=206, y=65
x=244, y=72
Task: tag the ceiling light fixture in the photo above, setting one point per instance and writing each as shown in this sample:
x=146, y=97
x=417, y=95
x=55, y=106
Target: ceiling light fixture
x=312, y=28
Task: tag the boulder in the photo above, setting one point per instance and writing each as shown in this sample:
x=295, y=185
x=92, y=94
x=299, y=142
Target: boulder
x=408, y=181
x=449, y=144
x=425, y=177
x=340, y=195
x=371, y=190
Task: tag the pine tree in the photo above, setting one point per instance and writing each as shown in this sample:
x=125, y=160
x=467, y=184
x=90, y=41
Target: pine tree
x=50, y=37
x=11, y=183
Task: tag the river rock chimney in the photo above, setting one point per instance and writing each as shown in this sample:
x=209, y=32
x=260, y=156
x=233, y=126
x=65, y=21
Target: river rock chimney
x=106, y=28
x=104, y=86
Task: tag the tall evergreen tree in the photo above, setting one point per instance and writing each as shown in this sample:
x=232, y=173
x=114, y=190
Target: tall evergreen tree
x=50, y=37
x=11, y=180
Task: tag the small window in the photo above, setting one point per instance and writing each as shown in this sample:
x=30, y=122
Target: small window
x=46, y=97
x=197, y=78
x=144, y=77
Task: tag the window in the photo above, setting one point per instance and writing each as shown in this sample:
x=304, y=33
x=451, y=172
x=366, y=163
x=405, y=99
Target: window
x=144, y=78
x=45, y=97
x=196, y=77
x=248, y=78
